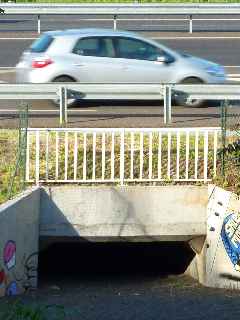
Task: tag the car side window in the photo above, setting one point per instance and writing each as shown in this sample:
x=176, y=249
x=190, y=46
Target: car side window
x=95, y=47
x=136, y=49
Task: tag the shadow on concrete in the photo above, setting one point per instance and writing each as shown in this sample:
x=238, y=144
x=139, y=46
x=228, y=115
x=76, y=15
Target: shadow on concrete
x=65, y=257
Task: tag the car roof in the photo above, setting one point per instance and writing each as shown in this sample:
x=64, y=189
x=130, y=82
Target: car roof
x=90, y=32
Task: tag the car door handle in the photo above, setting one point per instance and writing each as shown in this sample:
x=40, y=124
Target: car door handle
x=79, y=64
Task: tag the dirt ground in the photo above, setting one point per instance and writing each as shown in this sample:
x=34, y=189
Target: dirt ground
x=113, y=284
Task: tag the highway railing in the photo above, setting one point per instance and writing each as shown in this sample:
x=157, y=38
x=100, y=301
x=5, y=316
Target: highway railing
x=118, y=91
x=115, y=11
x=107, y=155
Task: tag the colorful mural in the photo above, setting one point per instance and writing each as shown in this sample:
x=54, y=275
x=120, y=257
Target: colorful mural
x=9, y=254
x=230, y=235
x=15, y=279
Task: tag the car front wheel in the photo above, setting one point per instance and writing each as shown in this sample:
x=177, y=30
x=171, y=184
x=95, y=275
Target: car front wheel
x=184, y=100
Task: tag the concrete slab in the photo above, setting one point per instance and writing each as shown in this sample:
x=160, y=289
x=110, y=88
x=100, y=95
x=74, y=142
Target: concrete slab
x=134, y=213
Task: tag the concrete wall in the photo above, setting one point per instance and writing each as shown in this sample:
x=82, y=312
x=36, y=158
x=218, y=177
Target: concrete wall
x=19, y=234
x=134, y=213
x=217, y=264
x=207, y=217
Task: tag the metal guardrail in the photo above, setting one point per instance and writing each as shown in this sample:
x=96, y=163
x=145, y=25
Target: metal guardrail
x=109, y=155
x=118, y=91
x=116, y=10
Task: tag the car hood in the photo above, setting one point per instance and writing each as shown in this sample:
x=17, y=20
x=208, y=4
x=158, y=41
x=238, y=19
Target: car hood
x=199, y=62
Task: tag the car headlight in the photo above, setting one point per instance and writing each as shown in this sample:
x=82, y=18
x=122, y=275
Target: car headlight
x=216, y=71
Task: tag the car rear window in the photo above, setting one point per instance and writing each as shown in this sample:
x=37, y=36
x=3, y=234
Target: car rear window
x=41, y=44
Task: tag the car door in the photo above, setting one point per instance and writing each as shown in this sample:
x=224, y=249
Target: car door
x=94, y=59
x=139, y=61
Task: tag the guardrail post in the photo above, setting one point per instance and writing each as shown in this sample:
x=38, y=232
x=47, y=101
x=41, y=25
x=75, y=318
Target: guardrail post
x=63, y=105
x=167, y=104
x=115, y=22
x=39, y=24
x=190, y=24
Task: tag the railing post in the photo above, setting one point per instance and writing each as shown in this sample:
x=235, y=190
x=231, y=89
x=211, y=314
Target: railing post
x=115, y=22
x=122, y=157
x=224, y=106
x=37, y=163
x=63, y=105
x=39, y=24
x=167, y=104
x=190, y=24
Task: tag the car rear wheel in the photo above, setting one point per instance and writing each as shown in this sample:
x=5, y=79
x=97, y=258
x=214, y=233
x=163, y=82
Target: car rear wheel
x=71, y=102
x=185, y=101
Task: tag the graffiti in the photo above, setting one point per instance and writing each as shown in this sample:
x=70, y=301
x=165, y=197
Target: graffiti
x=16, y=280
x=9, y=254
x=29, y=276
x=230, y=235
x=2, y=278
x=12, y=289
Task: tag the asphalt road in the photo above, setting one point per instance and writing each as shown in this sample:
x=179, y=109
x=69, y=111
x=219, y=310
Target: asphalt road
x=209, y=46
x=20, y=23
x=221, y=47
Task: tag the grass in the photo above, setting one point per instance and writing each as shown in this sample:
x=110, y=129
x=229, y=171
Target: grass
x=129, y=1
x=21, y=311
x=8, y=156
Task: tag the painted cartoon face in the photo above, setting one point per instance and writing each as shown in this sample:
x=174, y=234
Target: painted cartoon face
x=9, y=254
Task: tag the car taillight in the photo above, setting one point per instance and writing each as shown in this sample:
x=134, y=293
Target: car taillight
x=41, y=63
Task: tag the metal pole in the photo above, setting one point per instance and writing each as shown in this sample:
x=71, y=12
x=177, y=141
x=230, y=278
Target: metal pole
x=115, y=22
x=122, y=157
x=39, y=24
x=63, y=105
x=190, y=24
x=224, y=105
x=167, y=104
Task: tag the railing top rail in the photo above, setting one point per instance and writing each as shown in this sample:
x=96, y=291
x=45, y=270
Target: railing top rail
x=126, y=130
x=126, y=9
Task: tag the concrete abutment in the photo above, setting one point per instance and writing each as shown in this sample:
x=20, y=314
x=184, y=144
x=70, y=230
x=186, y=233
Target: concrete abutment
x=206, y=217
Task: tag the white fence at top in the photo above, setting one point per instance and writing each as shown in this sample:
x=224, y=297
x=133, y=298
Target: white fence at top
x=134, y=9
x=121, y=155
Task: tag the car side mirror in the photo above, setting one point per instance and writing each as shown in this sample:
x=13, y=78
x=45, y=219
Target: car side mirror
x=165, y=59
x=162, y=59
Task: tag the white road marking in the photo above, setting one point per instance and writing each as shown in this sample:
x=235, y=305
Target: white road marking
x=40, y=110
x=7, y=71
x=233, y=79
x=195, y=38
x=161, y=37
x=18, y=38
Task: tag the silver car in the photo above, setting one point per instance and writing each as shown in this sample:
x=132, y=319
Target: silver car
x=103, y=55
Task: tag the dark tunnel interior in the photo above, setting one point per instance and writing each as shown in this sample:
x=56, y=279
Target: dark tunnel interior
x=88, y=259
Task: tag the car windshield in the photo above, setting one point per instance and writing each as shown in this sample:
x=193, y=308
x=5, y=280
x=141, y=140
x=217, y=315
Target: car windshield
x=41, y=44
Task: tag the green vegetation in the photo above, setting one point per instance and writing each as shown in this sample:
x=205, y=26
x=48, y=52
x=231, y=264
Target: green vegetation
x=128, y=1
x=8, y=156
x=9, y=150
x=20, y=311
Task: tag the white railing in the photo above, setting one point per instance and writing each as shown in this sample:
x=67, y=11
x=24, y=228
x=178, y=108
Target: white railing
x=121, y=155
x=118, y=91
x=116, y=10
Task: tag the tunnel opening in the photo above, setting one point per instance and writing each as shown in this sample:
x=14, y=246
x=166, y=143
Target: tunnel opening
x=88, y=260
